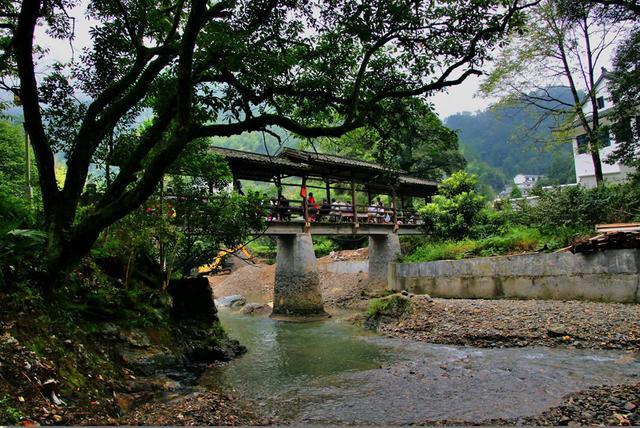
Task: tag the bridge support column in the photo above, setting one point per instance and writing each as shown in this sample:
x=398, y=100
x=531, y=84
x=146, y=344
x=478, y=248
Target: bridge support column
x=297, y=287
x=382, y=250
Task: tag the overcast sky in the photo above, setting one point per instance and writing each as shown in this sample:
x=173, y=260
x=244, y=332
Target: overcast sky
x=460, y=98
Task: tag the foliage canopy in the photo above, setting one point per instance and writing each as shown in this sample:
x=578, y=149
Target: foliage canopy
x=205, y=68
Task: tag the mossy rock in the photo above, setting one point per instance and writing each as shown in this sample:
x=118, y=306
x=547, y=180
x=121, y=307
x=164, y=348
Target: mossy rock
x=394, y=306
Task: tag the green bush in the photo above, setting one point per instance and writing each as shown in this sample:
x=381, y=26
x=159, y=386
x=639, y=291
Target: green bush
x=514, y=240
x=392, y=306
x=264, y=248
x=15, y=212
x=322, y=246
x=447, y=250
x=455, y=210
x=581, y=208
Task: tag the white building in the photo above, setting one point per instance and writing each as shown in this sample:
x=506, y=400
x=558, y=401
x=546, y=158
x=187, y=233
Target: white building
x=585, y=174
x=526, y=182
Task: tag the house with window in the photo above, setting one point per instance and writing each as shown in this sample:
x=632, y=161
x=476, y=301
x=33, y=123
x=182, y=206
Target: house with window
x=585, y=174
x=526, y=182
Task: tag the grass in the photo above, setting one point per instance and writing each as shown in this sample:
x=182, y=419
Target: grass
x=515, y=240
x=392, y=306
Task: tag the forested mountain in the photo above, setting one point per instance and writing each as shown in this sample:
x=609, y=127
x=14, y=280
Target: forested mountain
x=257, y=142
x=500, y=143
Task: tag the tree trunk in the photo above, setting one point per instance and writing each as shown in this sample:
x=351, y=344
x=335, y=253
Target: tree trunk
x=66, y=249
x=594, y=150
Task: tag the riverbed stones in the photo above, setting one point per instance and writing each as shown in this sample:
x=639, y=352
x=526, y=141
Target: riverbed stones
x=233, y=301
x=297, y=287
x=255, y=309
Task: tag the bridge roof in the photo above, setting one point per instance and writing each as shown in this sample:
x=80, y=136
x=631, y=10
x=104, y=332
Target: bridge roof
x=333, y=168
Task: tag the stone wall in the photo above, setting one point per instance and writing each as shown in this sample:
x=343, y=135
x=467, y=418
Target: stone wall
x=610, y=276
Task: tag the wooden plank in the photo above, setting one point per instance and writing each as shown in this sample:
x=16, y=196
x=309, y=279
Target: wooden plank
x=618, y=227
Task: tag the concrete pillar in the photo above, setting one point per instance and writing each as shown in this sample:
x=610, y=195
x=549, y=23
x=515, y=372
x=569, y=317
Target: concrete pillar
x=382, y=250
x=297, y=287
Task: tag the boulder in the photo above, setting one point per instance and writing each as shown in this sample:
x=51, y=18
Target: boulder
x=192, y=299
x=255, y=309
x=234, y=301
x=557, y=330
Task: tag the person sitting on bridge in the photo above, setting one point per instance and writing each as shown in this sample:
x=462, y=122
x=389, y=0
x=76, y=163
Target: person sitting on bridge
x=325, y=209
x=313, y=207
x=284, y=213
x=335, y=210
x=372, y=211
x=380, y=215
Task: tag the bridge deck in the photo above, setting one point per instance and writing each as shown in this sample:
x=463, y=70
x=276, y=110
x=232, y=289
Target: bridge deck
x=293, y=227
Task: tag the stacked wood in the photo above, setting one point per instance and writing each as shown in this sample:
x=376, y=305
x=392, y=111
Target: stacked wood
x=618, y=227
x=607, y=241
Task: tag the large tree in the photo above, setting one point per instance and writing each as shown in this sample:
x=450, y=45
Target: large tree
x=219, y=68
x=406, y=136
x=625, y=90
x=564, y=45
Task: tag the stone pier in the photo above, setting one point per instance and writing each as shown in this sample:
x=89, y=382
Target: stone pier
x=297, y=287
x=382, y=250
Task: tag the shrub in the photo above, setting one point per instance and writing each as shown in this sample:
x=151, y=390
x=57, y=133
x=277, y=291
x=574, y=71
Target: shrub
x=14, y=212
x=322, y=246
x=448, y=250
x=581, y=208
x=513, y=240
x=455, y=210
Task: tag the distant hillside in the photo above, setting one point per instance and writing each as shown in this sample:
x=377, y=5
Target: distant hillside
x=257, y=142
x=498, y=144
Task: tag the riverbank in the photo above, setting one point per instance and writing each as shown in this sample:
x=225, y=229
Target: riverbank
x=616, y=405
x=518, y=323
x=94, y=358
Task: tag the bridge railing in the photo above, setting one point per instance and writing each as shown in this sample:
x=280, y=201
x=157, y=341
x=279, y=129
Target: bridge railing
x=299, y=210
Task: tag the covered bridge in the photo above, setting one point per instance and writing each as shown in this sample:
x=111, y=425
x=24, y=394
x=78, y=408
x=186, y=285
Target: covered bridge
x=324, y=174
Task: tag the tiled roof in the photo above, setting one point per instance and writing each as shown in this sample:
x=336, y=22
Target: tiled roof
x=313, y=157
x=256, y=157
x=407, y=179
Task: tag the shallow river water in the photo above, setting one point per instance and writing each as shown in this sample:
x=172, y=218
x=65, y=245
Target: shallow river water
x=334, y=372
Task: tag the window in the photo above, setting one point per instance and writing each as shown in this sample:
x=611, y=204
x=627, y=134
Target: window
x=583, y=143
x=603, y=137
x=600, y=102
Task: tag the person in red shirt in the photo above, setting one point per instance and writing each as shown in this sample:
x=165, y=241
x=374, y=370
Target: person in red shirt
x=313, y=206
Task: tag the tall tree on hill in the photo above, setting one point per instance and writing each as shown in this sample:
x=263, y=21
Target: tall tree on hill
x=563, y=45
x=219, y=68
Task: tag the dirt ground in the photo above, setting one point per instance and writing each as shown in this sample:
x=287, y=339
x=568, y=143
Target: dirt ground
x=255, y=281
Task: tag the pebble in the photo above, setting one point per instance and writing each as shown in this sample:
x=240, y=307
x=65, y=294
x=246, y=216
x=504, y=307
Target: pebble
x=518, y=323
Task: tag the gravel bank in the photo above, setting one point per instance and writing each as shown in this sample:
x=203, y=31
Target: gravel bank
x=198, y=408
x=517, y=323
x=616, y=405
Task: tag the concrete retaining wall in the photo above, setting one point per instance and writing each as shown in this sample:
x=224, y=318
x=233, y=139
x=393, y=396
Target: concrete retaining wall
x=356, y=266
x=610, y=276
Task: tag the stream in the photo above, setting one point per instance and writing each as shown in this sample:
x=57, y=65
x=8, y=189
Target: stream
x=331, y=372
